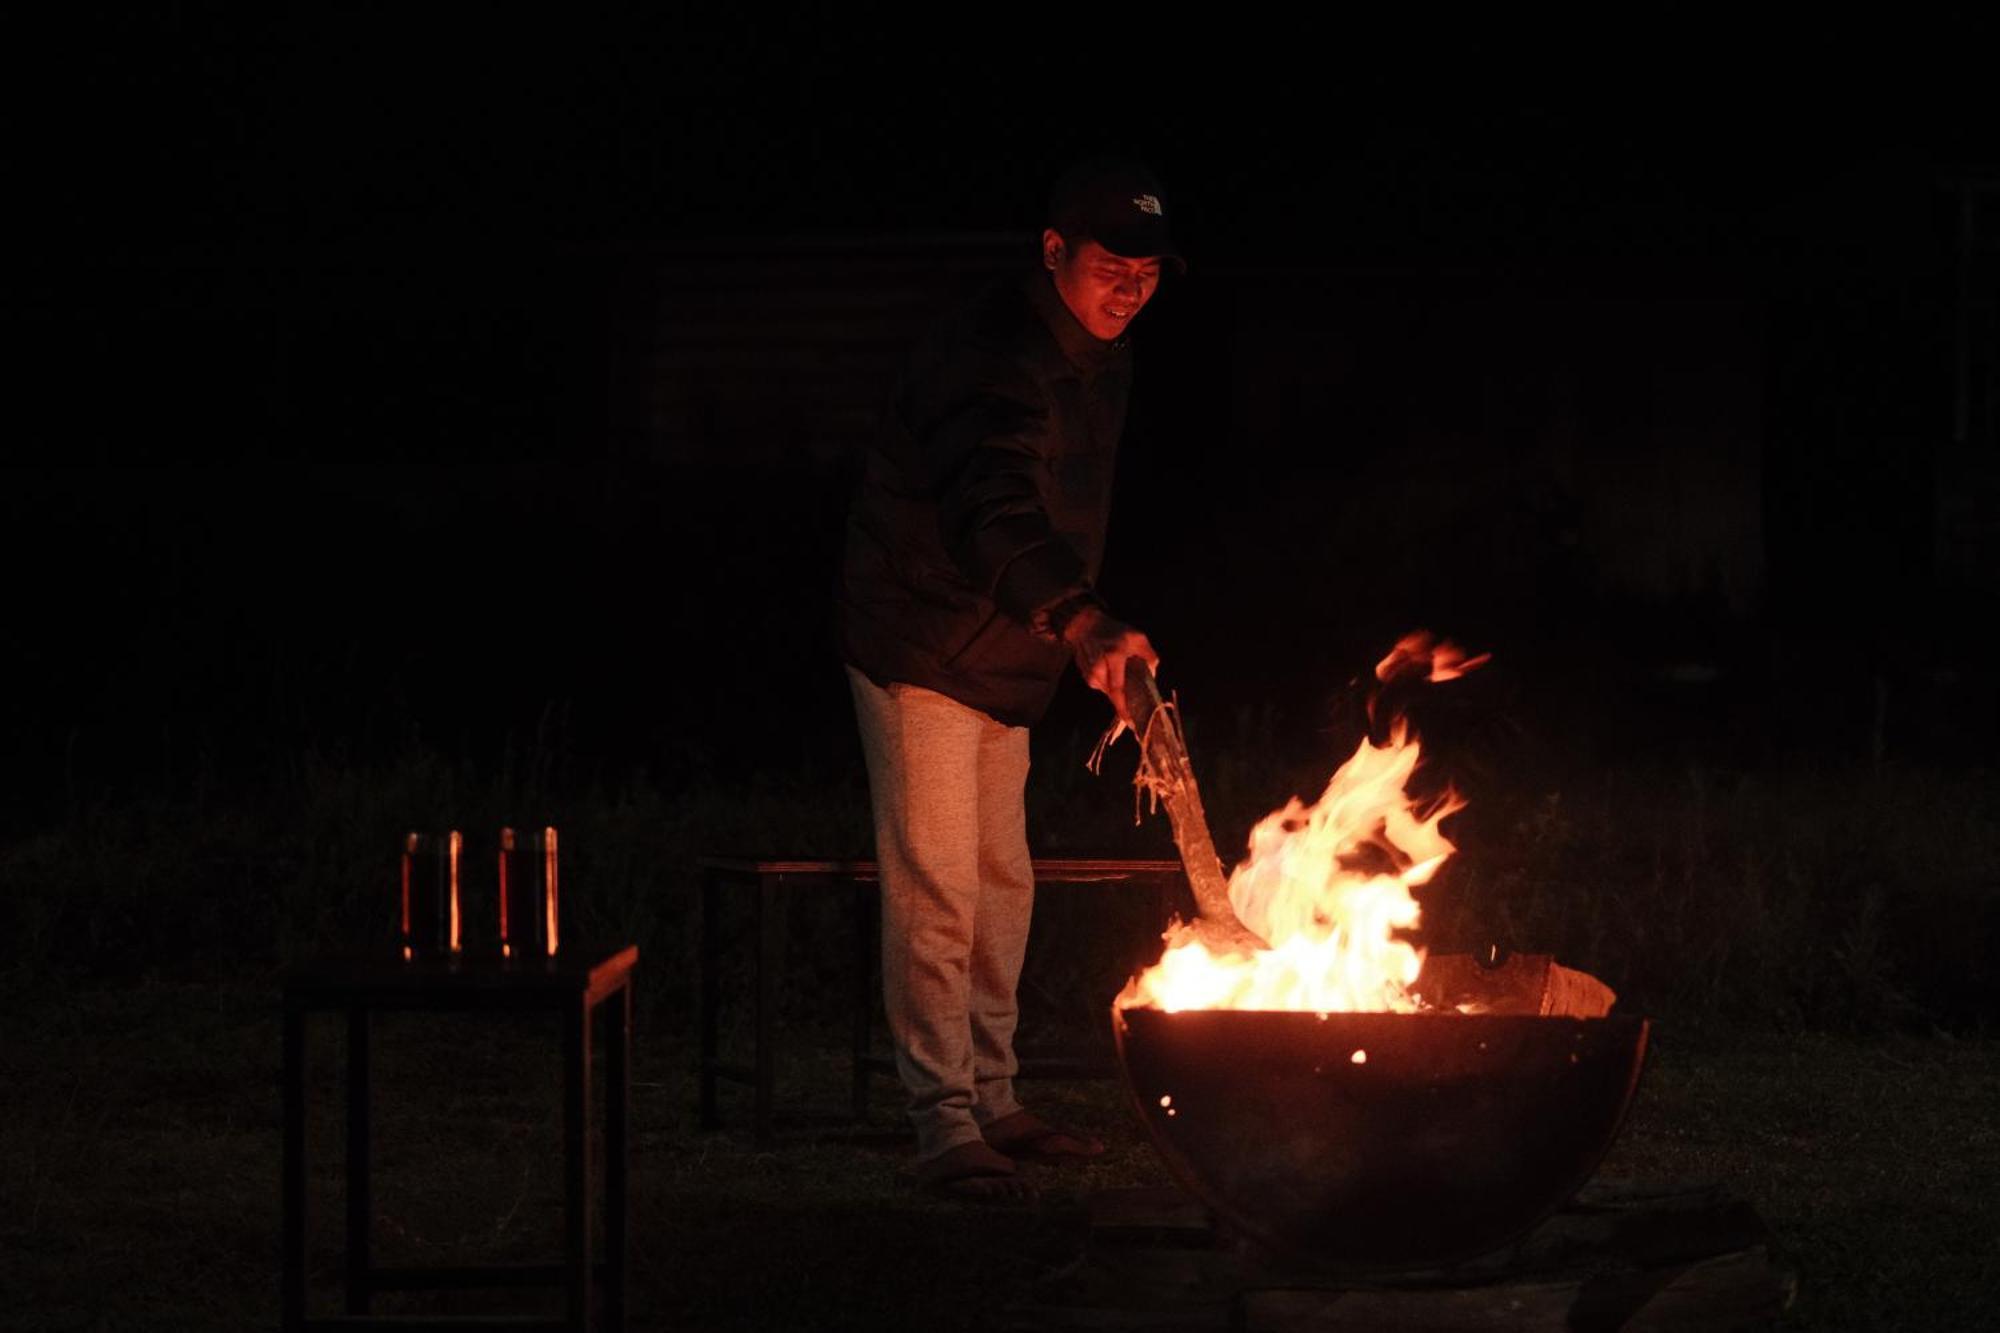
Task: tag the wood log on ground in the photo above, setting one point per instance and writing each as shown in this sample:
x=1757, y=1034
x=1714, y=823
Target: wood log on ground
x=1621, y=1256
x=1522, y=983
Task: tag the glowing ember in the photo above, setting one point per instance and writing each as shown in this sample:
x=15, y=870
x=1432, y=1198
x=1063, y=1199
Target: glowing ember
x=1328, y=885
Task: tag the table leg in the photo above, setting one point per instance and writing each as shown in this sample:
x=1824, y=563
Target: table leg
x=617, y=1154
x=293, y=1266
x=576, y=1165
x=865, y=945
x=711, y=994
x=770, y=951
x=360, y=1189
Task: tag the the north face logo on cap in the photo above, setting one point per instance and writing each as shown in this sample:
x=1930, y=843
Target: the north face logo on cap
x=1148, y=203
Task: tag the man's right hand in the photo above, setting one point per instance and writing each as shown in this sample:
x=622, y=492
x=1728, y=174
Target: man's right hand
x=1101, y=646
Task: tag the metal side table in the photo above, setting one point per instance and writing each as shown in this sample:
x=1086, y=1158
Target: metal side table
x=584, y=990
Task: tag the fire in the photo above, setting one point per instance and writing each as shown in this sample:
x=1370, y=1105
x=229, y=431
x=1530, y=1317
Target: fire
x=1437, y=658
x=1328, y=885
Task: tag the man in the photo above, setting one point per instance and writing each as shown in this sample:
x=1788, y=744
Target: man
x=967, y=588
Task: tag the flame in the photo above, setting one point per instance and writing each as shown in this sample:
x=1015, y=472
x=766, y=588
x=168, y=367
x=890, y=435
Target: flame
x=1420, y=650
x=1335, y=928
x=1329, y=886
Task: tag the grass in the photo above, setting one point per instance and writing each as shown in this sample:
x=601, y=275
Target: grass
x=1850, y=897
x=141, y=1162
x=1815, y=944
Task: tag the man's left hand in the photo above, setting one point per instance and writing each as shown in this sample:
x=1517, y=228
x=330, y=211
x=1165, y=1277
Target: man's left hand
x=1101, y=645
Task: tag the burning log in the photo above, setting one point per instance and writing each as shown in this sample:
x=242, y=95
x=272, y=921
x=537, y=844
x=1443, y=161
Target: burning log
x=1164, y=769
x=1521, y=984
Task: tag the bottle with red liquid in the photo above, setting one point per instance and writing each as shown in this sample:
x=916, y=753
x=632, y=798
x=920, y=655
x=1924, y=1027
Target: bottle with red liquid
x=430, y=918
x=530, y=893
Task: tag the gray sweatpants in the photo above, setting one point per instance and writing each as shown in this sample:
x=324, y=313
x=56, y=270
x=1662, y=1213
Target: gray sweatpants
x=946, y=783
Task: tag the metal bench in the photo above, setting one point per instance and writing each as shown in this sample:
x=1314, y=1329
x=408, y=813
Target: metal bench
x=768, y=883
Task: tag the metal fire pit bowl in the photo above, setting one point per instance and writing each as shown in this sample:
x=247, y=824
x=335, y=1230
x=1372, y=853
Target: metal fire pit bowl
x=1449, y=1136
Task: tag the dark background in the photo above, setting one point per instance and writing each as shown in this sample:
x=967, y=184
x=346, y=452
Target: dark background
x=446, y=421
x=465, y=387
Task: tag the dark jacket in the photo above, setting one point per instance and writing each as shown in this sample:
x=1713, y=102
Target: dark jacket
x=982, y=503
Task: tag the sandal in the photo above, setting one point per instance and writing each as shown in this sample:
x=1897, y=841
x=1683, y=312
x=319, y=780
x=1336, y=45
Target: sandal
x=1025, y=1136
x=973, y=1171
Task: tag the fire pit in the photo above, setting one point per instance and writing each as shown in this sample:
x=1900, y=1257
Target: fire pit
x=1375, y=1141
x=1317, y=1080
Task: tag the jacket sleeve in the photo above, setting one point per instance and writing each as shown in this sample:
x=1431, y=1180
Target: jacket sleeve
x=989, y=447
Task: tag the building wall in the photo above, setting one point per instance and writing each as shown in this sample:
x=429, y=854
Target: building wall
x=1529, y=431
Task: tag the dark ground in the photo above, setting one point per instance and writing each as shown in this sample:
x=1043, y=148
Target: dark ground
x=141, y=1156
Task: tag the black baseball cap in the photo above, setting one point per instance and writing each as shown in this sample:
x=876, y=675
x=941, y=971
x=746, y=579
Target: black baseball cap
x=1119, y=204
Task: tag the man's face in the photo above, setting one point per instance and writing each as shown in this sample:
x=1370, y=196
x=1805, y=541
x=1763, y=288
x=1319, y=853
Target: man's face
x=1104, y=291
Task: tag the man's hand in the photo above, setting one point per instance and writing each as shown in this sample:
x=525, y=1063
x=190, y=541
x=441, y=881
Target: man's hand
x=1101, y=646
